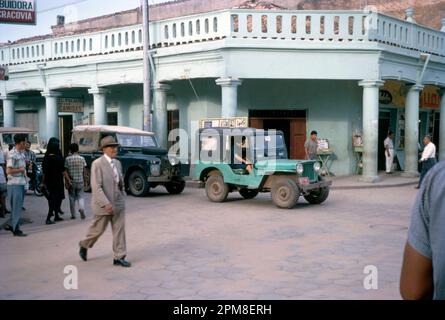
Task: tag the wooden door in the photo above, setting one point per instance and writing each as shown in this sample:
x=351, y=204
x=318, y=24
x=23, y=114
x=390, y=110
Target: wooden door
x=297, y=138
x=256, y=123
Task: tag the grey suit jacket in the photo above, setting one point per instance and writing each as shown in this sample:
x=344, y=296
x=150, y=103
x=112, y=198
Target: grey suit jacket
x=104, y=188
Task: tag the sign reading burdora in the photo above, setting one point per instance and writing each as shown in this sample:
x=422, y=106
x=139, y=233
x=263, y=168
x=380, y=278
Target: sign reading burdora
x=18, y=11
x=74, y=105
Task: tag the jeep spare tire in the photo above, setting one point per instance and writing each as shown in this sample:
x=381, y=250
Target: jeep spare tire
x=138, y=184
x=175, y=187
x=216, y=189
x=248, y=193
x=285, y=193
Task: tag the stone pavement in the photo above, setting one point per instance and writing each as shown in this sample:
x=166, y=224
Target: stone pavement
x=185, y=247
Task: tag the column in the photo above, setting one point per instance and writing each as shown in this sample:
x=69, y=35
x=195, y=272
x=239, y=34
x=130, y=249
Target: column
x=370, y=129
x=442, y=125
x=8, y=110
x=52, y=113
x=100, y=105
x=229, y=89
x=160, y=116
x=412, y=131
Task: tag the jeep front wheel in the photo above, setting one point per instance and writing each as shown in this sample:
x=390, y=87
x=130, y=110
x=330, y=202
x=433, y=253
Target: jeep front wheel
x=138, y=184
x=175, y=187
x=216, y=189
x=248, y=193
x=285, y=193
x=318, y=196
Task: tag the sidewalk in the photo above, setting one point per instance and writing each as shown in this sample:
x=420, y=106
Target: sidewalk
x=352, y=182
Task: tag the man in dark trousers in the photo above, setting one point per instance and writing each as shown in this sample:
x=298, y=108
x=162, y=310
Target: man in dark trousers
x=107, y=203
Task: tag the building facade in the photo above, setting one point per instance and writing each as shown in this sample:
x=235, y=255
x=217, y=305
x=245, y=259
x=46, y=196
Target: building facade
x=337, y=72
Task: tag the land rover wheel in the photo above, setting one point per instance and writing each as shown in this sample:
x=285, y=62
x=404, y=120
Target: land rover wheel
x=248, y=193
x=175, y=187
x=138, y=184
x=318, y=196
x=87, y=180
x=216, y=189
x=285, y=193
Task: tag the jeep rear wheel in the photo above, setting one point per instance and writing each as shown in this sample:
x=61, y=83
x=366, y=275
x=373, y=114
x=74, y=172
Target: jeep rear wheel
x=175, y=187
x=216, y=189
x=138, y=184
x=285, y=193
x=248, y=193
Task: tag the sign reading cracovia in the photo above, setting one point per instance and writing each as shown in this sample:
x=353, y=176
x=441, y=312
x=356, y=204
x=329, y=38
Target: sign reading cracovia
x=18, y=11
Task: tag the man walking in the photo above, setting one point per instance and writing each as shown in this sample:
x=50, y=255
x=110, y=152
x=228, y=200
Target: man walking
x=107, y=203
x=16, y=171
x=311, y=146
x=389, y=151
x=428, y=159
x=74, y=179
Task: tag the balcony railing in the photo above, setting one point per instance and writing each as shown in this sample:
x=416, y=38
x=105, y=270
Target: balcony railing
x=301, y=27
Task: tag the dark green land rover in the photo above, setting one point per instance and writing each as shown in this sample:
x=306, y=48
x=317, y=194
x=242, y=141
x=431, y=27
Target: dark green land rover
x=145, y=165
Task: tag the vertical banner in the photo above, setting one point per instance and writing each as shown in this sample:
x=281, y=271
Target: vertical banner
x=18, y=11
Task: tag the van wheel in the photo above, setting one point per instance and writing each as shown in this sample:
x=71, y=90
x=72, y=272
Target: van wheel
x=138, y=184
x=248, y=193
x=216, y=189
x=285, y=193
x=87, y=180
x=318, y=196
x=175, y=187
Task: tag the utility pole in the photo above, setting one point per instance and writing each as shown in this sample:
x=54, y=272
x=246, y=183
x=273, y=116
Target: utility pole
x=146, y=58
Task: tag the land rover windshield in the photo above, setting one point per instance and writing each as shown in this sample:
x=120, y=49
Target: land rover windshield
x=136, y=141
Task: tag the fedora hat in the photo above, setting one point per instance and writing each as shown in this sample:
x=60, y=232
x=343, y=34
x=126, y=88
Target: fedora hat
x=108, y=141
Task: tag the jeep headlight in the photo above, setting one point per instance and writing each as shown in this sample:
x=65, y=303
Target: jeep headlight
x=155, y=168
x=300, y=168
x=317, y=166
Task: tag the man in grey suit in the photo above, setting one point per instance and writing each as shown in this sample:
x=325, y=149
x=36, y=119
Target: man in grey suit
x=107, y=203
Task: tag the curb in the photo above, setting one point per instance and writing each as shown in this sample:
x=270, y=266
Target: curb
x=200, y=185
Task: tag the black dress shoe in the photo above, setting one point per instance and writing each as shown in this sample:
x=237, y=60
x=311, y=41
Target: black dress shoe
x=122, y=262
x=61, y=212
x=49, y=222
x=19, y=233
x=83, y=253
x=58, y=219
x=8, y=228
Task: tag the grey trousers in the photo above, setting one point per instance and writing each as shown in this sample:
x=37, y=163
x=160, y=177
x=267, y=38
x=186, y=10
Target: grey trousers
x=99, y=226
x=75, y=193
x=15, y=198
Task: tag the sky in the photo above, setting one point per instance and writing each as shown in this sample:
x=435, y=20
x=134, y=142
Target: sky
x=73, y=10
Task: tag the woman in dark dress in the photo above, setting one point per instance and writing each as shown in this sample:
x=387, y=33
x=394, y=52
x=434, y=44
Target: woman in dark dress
x=53, y=169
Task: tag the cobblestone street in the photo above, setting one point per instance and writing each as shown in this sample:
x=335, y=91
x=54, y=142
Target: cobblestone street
x=184, y=247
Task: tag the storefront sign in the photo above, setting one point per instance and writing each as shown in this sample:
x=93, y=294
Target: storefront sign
x=239, y=122
x=71, y=105
x=430, y=99
x=18, y=11
x=385, y=97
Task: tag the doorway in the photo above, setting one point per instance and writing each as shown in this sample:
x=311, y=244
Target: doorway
x=65, y=129
x=291, y=122
x=384, y=127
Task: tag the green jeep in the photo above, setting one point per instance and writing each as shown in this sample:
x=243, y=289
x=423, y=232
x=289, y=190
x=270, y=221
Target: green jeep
x=250, y=161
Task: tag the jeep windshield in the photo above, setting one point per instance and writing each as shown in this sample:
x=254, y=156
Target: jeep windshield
x=270, y=147
x=8, y=138
x=136, y=141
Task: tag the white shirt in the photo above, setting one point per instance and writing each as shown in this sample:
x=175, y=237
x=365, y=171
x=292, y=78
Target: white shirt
x=429, y=152
x=388, y=142
x=113, y=166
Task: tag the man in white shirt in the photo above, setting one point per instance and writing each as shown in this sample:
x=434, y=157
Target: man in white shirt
x=428, y=159
x=389, y=151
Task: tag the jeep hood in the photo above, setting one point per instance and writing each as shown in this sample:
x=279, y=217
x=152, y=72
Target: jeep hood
x=155, y=151
x=281, y=165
